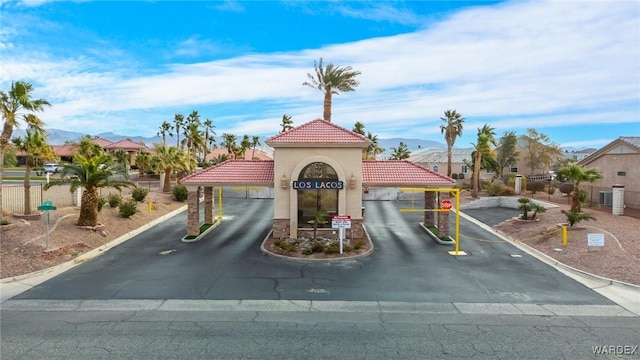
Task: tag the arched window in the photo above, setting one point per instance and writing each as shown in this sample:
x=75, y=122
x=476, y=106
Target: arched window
x=435, y=168
x=317, y=201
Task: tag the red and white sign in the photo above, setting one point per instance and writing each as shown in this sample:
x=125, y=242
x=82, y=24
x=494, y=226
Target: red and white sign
x=341, y=221
x=445, y=204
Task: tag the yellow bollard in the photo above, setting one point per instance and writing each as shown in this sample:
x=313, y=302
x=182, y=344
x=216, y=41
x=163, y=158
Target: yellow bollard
x=564, y=235
x=150, y=206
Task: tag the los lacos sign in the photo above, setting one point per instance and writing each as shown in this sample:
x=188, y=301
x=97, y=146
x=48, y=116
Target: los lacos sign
x=318, y=185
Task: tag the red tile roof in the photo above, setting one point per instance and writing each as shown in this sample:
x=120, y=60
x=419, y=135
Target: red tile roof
x=101, y=141
x=318, y=132
x=259, y=154
x=65, y=150
x=125, y=144
x=234, y=172
x=400, y=173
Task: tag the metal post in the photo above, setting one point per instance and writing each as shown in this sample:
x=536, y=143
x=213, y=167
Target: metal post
x=564, y=235
x=47, y=234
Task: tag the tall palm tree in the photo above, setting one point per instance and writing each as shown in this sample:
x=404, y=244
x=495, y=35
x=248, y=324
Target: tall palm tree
x=359, y=128
x=255, y=141
x=374, y=149
x=208, y=139
x=578, y=174
x=143, y=160
x=451, y=130
x=165, y=129
x=88, y=148
x=331, y=80
x=167, y=160
x=178, y=119
x=35, y=146
x=244, y=145
x=122, y=158
x=17, y=105
x=287, y=123
x=90, y=173
x=229, y=142
x=401, y=152
x=486, y=138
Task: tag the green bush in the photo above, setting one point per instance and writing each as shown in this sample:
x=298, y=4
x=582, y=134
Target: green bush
x=507, y=191
x=461, y=176
x=574, y=217
x=180, y=193
x=493, y=189
x=317, y=247
x=128, y=208
x=4, y=221
x=138, y=194
x=114, y=200
x=536, y=186
x=332, y=248
x=465, y=185
x=454, y=176
x=101, y=202
x=566, y=188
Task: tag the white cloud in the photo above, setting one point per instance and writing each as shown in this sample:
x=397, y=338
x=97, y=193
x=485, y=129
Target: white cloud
x=516, y=65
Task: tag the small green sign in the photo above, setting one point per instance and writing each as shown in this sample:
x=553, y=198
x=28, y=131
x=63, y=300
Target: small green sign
x=46, y=206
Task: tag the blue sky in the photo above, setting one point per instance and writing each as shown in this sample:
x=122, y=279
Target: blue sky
x=570, y=69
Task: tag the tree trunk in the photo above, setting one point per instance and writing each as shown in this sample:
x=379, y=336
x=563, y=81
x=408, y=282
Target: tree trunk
x=575, y=199
x=327, y=106
x=88, y=208
x=476, y=175
x=27, y=190
x=167, y=181
x=449, y=149
x=1, y=171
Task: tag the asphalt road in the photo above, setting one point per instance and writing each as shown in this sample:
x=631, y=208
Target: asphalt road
x=227, y=264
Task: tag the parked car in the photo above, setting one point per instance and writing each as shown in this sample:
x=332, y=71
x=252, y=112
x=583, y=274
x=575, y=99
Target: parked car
x=52, y=168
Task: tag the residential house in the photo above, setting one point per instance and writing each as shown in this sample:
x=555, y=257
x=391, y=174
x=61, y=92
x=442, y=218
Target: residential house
x=436, y=160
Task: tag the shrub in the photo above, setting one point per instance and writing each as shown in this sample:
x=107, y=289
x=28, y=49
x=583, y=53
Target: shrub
x=566, y=188
x=138, y=194
x=101, y=202
x=114, y=200
x=536, y=186
x=461, y=176
x=4, y=221
x=574, y=217
x=332, y=248
x=526, y=205
x=507, y=191
x=454, y=176
x=509, y=179
x=465, y=185
x=180, y=193
x=128, y=208
x=493, y=189
x=317, y=247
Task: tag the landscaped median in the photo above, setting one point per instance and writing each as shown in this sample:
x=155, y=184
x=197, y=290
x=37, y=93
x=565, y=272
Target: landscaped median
x=204, y=230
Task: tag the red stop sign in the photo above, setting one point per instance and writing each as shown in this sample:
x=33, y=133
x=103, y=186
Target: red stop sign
x=445, y=204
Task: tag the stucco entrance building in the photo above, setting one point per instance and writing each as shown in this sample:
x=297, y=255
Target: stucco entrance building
x=317, y=169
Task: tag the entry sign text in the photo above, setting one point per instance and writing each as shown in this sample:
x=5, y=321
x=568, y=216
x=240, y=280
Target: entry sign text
x=318, y=184
x=341, y=221
x=595, y=239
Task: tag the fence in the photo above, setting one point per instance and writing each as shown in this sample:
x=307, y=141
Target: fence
x=13, y=197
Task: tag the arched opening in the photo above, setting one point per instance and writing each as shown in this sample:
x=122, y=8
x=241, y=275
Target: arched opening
x=312, y=202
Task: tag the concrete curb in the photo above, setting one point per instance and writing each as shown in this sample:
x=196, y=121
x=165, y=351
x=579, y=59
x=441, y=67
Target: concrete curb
x=622, y=293
x=15, y=285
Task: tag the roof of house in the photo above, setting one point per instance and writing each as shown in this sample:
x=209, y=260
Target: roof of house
x=101, y=141
x=248, y=155
x=430, y=156
x=374, y=173
x=621, y=145
x=65, y=150
x=318, y=132
x=125, y=144
x=400, y=173
x=234, y=172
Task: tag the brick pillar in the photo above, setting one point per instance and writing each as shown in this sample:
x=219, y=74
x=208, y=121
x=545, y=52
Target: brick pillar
x=208, y=204
x=429, y=203
x=193, y=212
x=443, y=223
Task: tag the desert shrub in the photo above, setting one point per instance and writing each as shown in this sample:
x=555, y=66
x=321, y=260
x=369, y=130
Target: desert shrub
x=332, y=248
x=465, y=185
x=317, y=247
x=509, y=179
x=358, y=245
x=536, y=186
x=493, y=189
x=4, y=221
x=574, y=217
x=128, y=208
x=566, y=188
x=114, y=200
x=180, y=193
x=507, y=191
x=461, y=176
x=138, y=194
x=526, y=205
x=454, y=176
x=101, y=201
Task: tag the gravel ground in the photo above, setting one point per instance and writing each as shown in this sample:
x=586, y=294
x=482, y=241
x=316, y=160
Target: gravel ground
x=22, y=248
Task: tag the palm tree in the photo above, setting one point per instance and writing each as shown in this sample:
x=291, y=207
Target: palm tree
x=578, y=174
x=331, y=81
x=401, y=152
x=482, y=148
x=373, y=150
x=122, y=158
x=165, y=129
x=359, y=128
x=229, y=142
x=143, y=160
x=287, y=123
x=179, y=121
x=35, y=146
x=208, y=139
x=255, y=141
x=13, y=104
x=244, y=145
x=88, y=148
x=167, y=160
x=451, y=131
x=90, y=173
